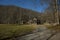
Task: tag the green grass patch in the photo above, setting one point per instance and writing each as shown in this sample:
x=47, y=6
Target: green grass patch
x=12, y=30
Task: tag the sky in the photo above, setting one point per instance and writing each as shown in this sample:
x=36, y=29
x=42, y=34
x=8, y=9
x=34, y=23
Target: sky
x=29, y=4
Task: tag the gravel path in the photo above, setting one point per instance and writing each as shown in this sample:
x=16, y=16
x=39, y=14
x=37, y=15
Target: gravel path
x=55, y=37
x=42, y=33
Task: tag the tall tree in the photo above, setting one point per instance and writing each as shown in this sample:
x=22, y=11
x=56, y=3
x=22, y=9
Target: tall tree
x=53, y=7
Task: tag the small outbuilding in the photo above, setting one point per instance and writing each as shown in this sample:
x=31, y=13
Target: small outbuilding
x=35, y=20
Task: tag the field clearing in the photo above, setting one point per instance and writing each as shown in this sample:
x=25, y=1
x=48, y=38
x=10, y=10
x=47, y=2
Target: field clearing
x=12, y=30
x=55, y=28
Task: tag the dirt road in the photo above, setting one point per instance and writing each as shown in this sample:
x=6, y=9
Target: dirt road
x=42, y=33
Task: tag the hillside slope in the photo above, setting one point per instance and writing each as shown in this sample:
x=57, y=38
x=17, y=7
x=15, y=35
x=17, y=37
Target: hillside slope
x=14, y=15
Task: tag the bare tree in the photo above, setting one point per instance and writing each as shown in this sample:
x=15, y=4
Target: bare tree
x=53, y=7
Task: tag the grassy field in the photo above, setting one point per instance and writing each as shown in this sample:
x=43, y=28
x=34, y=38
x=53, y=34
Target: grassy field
x=12, y=30
x=55, y=28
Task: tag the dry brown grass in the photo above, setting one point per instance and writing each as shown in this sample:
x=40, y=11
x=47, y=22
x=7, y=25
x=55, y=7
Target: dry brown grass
x=56, y=27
